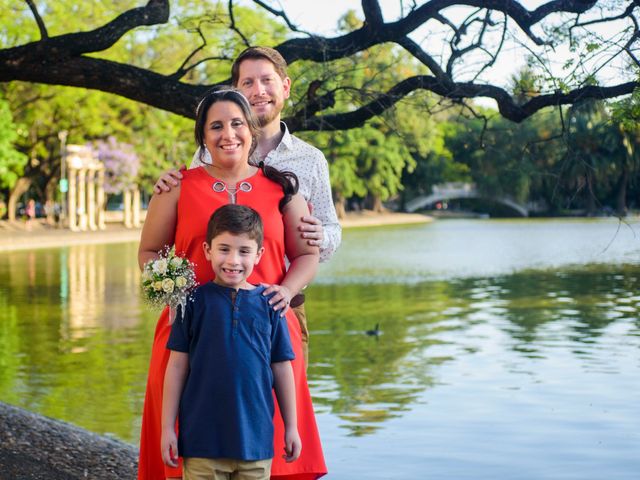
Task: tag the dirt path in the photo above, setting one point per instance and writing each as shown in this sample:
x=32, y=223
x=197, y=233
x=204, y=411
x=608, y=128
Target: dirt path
x=21, y=236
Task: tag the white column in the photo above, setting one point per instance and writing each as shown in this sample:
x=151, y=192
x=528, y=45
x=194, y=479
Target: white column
x=100, y=199
x=91, y=199
x=126, y=199
x=136, y=207
x=71, y=207
x=82, y=199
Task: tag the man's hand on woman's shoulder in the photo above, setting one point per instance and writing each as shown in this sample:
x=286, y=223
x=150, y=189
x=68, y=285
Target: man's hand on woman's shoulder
x=168, y=180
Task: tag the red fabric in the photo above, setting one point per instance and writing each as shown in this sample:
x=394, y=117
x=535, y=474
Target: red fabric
x=196, y=204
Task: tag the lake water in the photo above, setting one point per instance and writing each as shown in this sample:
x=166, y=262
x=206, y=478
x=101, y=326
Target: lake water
x=507, y=349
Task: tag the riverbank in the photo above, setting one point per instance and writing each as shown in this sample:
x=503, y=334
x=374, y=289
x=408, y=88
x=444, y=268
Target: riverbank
x=20, y=235
x=33, y=447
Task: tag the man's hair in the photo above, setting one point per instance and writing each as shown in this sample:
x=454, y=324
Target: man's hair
x=237, y=220
x=257, y=53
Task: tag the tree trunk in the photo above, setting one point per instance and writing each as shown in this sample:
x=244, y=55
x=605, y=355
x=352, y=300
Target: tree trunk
x=21, y=186
x=377, y=204
x=50, y=201
x=341, y=210
x=591, y=196
x=621, y=193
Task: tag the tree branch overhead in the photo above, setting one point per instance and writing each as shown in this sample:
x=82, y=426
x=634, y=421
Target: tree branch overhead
x=64, y=59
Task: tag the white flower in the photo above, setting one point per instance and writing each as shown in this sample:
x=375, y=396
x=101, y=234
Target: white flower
x=157, y=286
x=160, y=266
x=176, y=262
x=181, y=282
x=167, y=285
x=146, y=275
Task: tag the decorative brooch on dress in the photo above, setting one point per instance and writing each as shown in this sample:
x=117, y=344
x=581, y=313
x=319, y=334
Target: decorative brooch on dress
x=220, y=187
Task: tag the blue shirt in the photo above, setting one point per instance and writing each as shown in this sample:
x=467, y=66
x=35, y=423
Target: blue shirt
x=226, y=407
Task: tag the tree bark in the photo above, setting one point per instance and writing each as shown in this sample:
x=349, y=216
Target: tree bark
x=621, y=193
x=340, y=204
x=21, y=186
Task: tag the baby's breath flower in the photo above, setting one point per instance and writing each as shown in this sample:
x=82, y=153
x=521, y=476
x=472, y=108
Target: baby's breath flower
x=160, y=266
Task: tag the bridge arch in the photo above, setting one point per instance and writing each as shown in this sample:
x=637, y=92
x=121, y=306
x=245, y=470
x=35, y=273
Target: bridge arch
x=452, y=191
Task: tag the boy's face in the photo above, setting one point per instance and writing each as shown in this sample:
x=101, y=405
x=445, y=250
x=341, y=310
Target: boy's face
x=264, y=88
x=232, y=258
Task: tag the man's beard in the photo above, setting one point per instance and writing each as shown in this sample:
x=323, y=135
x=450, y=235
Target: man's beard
x=267, y=118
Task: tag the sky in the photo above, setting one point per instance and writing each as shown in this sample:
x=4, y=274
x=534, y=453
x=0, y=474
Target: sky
x=321, y=16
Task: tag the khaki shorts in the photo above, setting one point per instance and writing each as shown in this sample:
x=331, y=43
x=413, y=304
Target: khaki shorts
x=225, y=468
x=301, y=315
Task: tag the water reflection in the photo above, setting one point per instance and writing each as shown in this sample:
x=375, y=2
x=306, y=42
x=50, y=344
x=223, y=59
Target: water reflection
x=535, y=314
x=73, y=342
x=497, y=351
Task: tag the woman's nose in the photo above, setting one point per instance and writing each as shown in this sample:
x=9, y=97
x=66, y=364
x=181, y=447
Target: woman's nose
x=228, y=131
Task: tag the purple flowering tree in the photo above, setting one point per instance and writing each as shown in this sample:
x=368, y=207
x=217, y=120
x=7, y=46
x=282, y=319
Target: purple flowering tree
x=121, y=164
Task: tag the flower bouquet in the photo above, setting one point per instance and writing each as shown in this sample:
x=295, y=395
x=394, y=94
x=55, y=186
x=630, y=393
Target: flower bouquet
x=168, y=280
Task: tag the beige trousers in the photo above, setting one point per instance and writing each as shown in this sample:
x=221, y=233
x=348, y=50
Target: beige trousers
x=225, y=469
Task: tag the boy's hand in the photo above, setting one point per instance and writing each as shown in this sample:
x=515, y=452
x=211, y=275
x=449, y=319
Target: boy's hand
x=168, y=180
x=292, y=445
x=169, y=447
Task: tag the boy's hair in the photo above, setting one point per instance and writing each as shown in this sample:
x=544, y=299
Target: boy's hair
x=237, y=220
x=257, y=53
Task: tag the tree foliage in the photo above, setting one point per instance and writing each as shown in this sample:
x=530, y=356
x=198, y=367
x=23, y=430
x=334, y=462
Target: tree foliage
x=459, y=42
x=12, y=161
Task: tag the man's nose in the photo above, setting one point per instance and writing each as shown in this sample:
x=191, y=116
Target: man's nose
x=257, y=88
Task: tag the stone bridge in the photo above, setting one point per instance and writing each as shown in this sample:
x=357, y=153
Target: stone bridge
x=455, y=190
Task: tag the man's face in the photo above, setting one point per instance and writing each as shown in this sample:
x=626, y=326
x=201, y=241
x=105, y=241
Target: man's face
x=264, y=88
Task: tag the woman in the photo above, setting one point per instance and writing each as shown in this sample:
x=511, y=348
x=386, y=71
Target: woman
x=226, y=128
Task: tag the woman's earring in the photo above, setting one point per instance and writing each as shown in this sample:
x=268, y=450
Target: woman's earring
x=207, y=156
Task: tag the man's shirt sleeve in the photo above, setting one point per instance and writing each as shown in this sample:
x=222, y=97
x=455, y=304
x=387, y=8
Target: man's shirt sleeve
x=324, y=209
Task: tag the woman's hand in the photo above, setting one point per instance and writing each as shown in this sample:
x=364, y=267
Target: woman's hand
x=280, y=297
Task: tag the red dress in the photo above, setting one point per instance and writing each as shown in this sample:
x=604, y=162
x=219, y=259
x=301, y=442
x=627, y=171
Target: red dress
x=196, y=204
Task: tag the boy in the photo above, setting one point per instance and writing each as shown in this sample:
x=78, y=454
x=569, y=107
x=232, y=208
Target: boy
x=228, y=352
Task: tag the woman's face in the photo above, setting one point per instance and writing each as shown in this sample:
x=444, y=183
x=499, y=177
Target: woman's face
x=227, y=135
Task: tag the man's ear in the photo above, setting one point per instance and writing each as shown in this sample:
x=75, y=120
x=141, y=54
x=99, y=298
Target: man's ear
x=286, y=82
x=207, y=250
x=259, y=255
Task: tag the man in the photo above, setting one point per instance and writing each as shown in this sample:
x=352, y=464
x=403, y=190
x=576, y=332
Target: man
x=260, y=74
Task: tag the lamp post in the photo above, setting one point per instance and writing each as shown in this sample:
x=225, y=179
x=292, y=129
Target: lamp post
x=64, y=182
